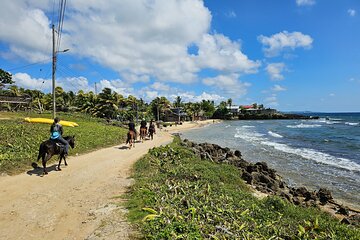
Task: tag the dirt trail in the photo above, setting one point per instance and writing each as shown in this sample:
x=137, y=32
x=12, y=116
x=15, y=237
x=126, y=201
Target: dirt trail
x=73, y=203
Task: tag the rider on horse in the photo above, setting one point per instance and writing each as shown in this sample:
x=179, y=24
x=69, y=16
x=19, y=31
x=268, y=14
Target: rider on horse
x=151, y=129
x=132, y=126
x=143, y=124
x=56, y=131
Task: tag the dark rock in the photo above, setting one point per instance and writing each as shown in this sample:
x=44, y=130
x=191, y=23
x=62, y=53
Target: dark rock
x=274, y=186
x=310, y=196
x=324, y=195
x=262, y=166
x=345, y=221
x=241, y=164
x=355, y=220
x=300, y=192
x=343, y=211
x=261, y=178
x=230, y=155
x=237, y=153
x=286, y=196
x=296, y=201
x=252, y=168
x=247, y=177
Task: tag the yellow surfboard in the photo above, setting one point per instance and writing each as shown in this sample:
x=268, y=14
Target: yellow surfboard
x=50, y=121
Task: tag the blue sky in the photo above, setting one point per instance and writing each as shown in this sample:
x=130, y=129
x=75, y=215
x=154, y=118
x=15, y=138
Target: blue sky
x=293, y=55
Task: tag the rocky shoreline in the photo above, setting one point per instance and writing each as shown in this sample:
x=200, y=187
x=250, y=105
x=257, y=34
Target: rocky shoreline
x=267, y=181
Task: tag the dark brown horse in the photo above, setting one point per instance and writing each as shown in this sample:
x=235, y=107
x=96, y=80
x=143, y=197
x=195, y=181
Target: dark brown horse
x=151, y=131
x=50, y=148
x=143, y=132
x=131, y=137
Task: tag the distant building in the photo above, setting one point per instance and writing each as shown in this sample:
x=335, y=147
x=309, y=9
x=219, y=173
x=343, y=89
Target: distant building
x=234, y=109
x=175, y=114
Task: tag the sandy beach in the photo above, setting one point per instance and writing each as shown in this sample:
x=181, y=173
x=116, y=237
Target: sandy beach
x=76, y=203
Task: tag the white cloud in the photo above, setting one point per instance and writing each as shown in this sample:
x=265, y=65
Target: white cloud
x=284, y=40
x=160, y=86
x=274, y=70
x=26, y=30
x=26, y=81
x=141, y=40
x=332, y=94
x=278, y=88
x=305, y=2
x=45, y=85
x=229, y=85
x=230, y=14
x=220, y=53
x=271, y=101
x=351, y=12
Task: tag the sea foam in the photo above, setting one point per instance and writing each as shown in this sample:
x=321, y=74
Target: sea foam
x=315, y=156
x=301, y=125
x=274, y=134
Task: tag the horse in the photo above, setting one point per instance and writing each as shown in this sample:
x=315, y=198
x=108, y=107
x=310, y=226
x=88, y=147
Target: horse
x=50, y=148
x=143, y=134
x=131, y=138
x=151, y=131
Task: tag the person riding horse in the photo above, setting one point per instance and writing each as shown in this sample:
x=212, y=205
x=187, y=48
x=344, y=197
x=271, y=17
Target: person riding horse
x=56, y=131
x=151, y=129
x=143, y=129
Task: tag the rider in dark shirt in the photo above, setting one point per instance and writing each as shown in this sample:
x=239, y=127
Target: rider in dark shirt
x=132, y=127
x=143, y=123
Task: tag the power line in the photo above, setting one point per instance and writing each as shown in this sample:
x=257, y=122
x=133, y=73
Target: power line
x=28, y=65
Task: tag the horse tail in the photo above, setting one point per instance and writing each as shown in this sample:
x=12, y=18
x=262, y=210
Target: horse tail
x=41, y=151
x=128, y=137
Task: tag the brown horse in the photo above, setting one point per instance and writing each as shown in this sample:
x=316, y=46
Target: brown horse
x=151, y=131
x=143, y=132
x=50, y=148
x=131, y=138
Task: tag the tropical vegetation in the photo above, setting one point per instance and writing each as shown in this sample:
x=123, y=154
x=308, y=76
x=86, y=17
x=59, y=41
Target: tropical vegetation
x=109, y=104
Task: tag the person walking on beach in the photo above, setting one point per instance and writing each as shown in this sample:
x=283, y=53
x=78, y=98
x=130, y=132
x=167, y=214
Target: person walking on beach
x=56, y=132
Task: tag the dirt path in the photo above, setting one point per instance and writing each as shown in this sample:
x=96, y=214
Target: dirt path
x=75, y=203
x=70, y=204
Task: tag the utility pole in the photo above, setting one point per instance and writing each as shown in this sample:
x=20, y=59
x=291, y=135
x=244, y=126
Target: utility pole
x=95, y=89
x=53, y=71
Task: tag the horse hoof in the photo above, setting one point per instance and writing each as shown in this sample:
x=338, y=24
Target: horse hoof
x=65, y=164
x=45, y=173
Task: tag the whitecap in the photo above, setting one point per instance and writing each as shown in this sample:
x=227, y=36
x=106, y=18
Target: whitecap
x=301, y=125
x=248, y=126
x=351, y=123
x=274, y=134
x=316, y=156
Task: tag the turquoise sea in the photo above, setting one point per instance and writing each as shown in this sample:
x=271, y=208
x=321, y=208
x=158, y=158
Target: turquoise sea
x=310, y=153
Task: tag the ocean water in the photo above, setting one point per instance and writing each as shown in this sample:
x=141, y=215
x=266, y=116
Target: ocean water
x=310, y=153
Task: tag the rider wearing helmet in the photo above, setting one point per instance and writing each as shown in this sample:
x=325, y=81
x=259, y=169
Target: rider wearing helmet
x=56, y=131
x=143, y=124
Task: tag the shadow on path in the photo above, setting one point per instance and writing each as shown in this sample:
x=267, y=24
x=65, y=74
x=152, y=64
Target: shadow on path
x=39, y=171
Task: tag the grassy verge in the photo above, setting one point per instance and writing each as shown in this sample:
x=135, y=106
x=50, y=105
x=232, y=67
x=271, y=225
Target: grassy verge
x=179, y=196
x=20, y=141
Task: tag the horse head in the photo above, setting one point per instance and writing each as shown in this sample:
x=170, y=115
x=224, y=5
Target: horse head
x=71, y=140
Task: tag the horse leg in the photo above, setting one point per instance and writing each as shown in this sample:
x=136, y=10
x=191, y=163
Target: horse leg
x=60, y=158
x=65, y=161
x=44, y=160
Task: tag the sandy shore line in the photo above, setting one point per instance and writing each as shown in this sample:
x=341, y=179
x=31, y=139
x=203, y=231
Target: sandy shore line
x=76, y=203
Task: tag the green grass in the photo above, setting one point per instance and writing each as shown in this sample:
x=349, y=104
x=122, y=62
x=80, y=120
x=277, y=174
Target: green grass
x=179, y=196
x=20, y=141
